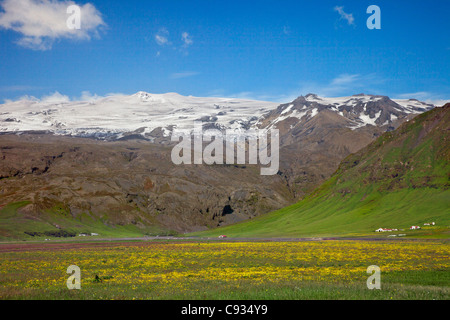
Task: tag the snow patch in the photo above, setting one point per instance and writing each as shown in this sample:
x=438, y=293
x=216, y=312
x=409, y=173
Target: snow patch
x=367, y=120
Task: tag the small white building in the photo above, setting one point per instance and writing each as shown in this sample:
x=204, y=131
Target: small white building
x=384, y=230
x=414, y=228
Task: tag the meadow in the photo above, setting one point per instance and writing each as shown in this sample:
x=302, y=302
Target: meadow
x=227, y=270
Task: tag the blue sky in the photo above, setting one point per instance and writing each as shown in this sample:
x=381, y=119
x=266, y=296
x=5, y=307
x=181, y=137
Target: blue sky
x=268, y=50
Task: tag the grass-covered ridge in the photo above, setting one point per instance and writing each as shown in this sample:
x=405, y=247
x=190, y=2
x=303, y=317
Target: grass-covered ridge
x=57, y=222
x=399, y=180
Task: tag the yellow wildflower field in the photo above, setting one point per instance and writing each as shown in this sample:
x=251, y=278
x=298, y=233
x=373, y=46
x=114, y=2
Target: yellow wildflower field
x=224, y=270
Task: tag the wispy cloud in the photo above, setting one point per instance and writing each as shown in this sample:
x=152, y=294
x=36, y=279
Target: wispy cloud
x=345, y=16
x=162, y=37
x=19, y=88
x=87, y=96
x=161, y=40
x=187, y=39
x=345, y=79
x=55, y=97
x=345, y=84
x=414, y=95
x=41, y=22
x=428, y=97
x=250, y=95
x=181, y=75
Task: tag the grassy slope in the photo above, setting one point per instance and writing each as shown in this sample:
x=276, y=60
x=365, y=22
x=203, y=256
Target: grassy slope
x=13, y=225
x=401, y=179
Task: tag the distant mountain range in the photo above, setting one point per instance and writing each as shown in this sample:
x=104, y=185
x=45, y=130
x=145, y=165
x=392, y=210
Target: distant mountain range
x=153, y=116
x=121, y=178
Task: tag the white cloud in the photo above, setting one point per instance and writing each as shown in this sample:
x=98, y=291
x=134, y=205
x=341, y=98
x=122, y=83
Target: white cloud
x=87, y=96
x=345, y=16
x=414, y=95
x=250, y=95
x=344, y=84
x=41, y=22
x=161, y=40
x=56, y=97
x=187, y=39
x=162, y=37
x=23, y=98
x=345, y=79
x=341, y=85
x=349, y=84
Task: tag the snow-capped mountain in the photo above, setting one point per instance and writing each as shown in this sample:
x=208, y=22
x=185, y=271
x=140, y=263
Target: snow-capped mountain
x=356, y=111
x=155, y=115
x=115, y=116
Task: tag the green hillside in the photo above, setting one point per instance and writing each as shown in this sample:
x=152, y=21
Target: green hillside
x=401, y=179
x=58, y=223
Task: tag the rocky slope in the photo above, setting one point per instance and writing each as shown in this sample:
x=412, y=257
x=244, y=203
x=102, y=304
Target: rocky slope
x=132, y=182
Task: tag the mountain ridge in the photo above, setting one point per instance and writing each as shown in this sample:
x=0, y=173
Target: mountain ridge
x=146, y=114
